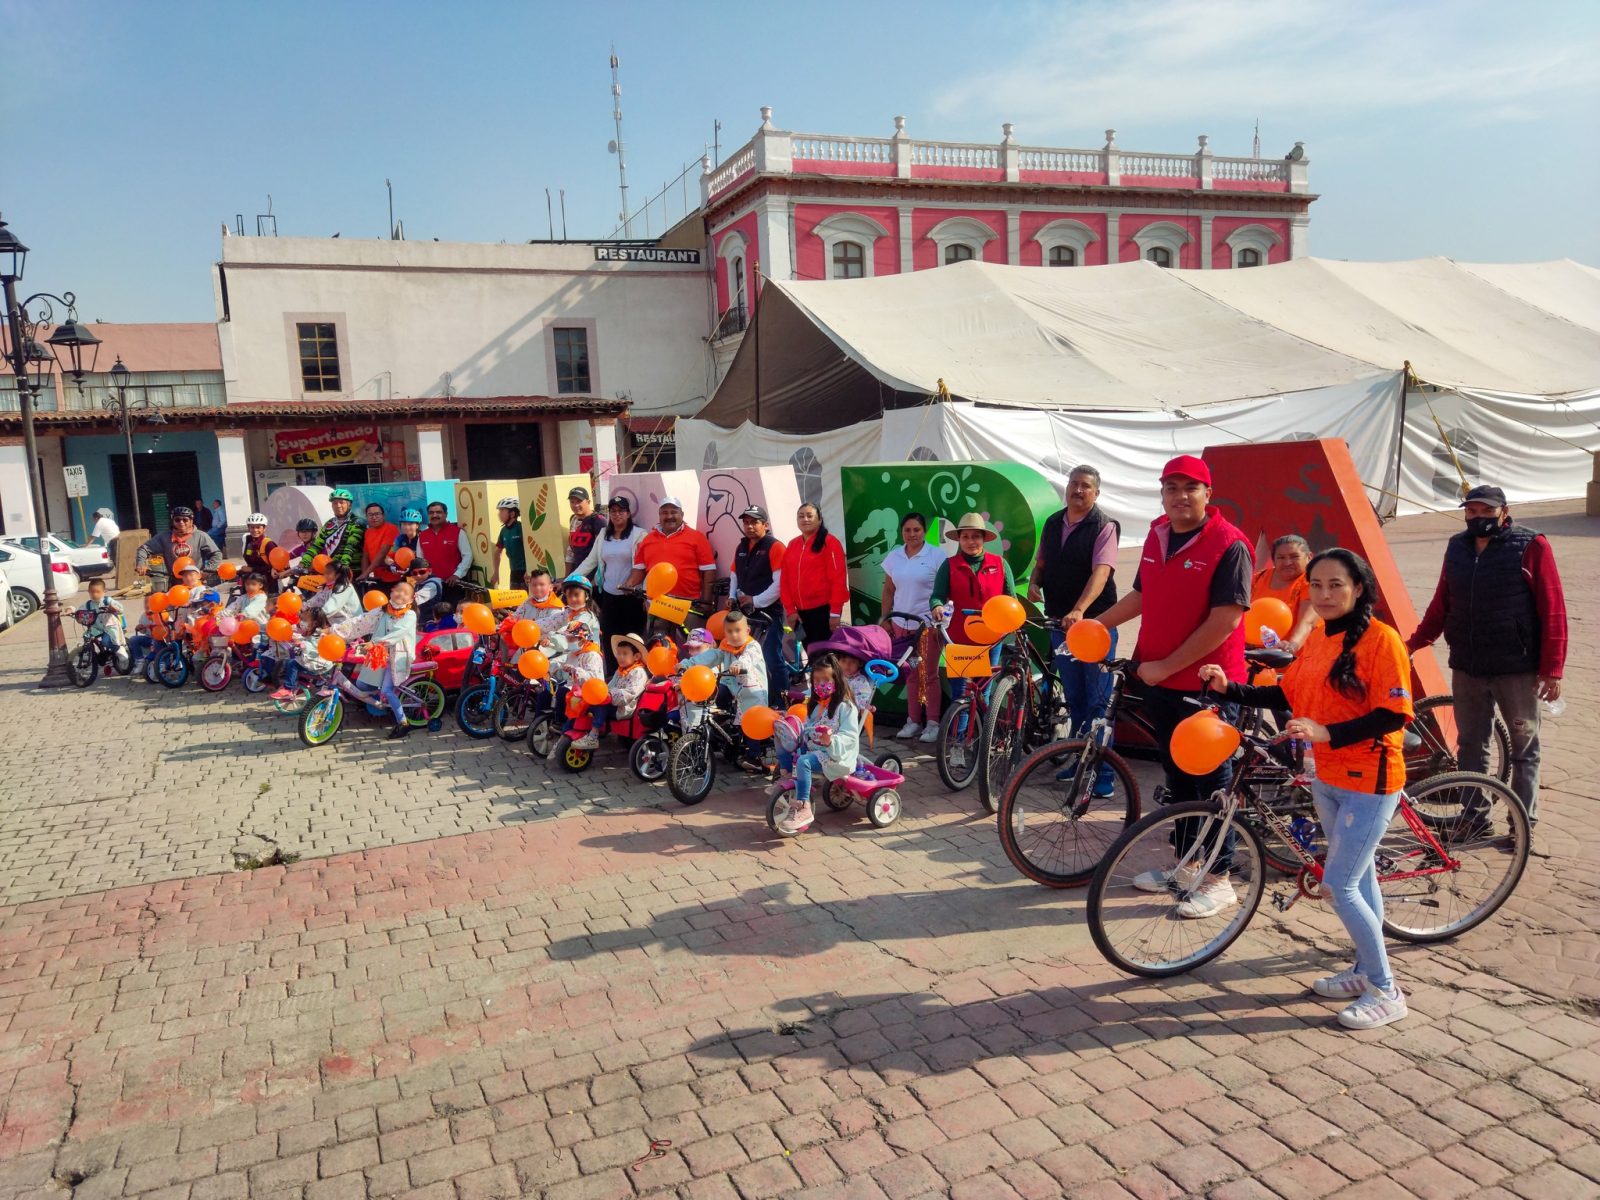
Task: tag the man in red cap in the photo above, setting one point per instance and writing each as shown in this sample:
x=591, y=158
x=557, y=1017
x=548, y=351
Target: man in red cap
x=1190, y=594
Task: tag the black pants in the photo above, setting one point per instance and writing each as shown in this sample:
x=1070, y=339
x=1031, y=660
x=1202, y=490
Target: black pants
x=1164, y=708
x=814, y=624
x=618, y=614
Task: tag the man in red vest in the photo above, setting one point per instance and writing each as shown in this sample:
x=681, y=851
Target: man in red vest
x=444, y=544
x=1190, y=594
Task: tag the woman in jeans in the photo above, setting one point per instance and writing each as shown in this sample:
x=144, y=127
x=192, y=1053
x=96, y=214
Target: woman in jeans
x=1350, y=693
x=909, y=571
x=610, y=562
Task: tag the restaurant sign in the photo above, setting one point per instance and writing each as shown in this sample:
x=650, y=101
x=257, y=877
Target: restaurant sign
x=328, y=446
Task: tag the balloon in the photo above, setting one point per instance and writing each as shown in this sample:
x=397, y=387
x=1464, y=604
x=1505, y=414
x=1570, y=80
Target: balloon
x=178, y=595
x=661, y=660
x=663, y=577
x=374, y=599
x=289, y=604
x=775, y=555
x=158, y=602
x=1004, y=614
x=595, y=691
x=715, y=625
x=533, y=664
x=478, y=618
x=227, y=624
x=1202, y=743
x=404, y=557
x=526, y=634
x=158, y=632
x=1265, y=677
x=227, y=570
x=319, y=564
x=180, y=563
x=978, y=630
x=759, y=722
x=800, y=711
x=279, y=558
x=699, y=684
x=1267, y=613
x=332, y=647
x=246, y=633
x=279, y=630
x=1089, y=641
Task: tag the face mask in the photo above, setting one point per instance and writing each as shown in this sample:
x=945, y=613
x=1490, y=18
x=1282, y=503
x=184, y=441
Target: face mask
x=822, y=689
x=1483, y=526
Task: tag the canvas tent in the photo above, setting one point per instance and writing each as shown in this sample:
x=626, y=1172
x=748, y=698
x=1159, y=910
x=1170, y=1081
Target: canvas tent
x=1119, y=364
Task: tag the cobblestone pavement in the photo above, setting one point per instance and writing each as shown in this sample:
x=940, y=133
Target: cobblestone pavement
x=486, y=981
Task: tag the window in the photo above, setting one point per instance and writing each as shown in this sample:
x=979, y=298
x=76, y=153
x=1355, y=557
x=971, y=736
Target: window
x=1065, y=242
x=319, y=357
x=960, y=239
x=1063, y=256
x=957, y=252
x=1252, y=244
x=1160, y=255
x=1249, y=257
x=572, y=360
x=849, y=260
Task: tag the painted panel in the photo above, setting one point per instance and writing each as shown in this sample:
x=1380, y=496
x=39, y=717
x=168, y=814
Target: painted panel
x=727, y=492
x=475, y=512
x=645, y=490
x=397, y=497
x=544, y=518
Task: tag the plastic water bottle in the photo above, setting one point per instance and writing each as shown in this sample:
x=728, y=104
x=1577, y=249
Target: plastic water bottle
x=1554, y=708
x=1305, y=832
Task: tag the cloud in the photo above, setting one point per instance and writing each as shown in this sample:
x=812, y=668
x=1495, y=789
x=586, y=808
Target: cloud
x=1100, y=63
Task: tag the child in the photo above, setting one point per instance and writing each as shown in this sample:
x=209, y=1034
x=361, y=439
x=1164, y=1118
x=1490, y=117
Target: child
x=193, y=617
x=543, y=607
x=444, y=617
x=580, y=664
x=392, y=629
x=828, y=743
x=298, y=654
x=142, y=644
x=579, y=625
x=626, y=685
x=110, y=624
x=337, y=599
x=251, y=604
x=744, y=676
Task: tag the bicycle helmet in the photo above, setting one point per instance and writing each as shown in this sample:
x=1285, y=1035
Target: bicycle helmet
x=181, y=513
x=305, y=525
x=577, y=580
x=510, y=502
x=411, y=516
x=256, y=519
x=341, y=494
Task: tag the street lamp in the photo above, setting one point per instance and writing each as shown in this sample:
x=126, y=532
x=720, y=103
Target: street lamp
x=31, y=365
x=117, y=401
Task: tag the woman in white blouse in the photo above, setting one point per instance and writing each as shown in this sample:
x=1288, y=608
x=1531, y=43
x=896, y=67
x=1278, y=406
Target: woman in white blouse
x=610, y=561
x=908, y=574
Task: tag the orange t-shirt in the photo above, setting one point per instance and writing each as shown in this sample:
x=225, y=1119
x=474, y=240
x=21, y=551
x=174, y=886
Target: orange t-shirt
x=688, y=550
x=376, y=540
x=1294, y=595
x=1377, y=765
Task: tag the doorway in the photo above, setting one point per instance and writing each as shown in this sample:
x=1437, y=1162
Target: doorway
x=165, y=481
x=513, y=451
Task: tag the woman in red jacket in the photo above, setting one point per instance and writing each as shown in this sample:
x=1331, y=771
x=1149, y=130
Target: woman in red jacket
x=813, y=583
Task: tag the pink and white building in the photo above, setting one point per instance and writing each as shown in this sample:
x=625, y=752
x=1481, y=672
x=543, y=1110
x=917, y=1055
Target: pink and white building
x=814, y=206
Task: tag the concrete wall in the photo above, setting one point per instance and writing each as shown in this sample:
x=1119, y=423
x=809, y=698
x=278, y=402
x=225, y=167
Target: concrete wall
x=92, y=453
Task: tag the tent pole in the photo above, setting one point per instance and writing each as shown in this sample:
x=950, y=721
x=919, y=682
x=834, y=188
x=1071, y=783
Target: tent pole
x=755, y=313
x=1400, y=439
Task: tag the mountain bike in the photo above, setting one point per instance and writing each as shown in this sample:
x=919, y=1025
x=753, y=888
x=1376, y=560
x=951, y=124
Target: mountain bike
x=1431, y=742
x=961, y=727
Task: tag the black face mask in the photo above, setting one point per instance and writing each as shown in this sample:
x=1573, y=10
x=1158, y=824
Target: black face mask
x=1482, y=527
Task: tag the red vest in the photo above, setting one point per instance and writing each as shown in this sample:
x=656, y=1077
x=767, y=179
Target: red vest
x=1176, y=596
x=969, y=589
x=442, y=548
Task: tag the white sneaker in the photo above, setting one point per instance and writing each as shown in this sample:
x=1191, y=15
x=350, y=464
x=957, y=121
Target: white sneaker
x=1375, y=1008
x=910, y=730
x=1346, y=984
x=930, y=734
x=798, y=820
x=589, y=741
x=1208, y=900
x=1160, y=881
x=958, y=758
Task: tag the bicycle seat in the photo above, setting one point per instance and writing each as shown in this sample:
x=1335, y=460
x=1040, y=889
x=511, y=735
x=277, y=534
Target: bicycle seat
x=424, y=666
x=1275, y=657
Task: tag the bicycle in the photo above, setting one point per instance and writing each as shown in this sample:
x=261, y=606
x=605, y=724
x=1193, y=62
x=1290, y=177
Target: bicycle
x=96, y=653
x=1454, y=852
x=216, y=672
x=1027, y=704
x=475, y=705
x=706, y=728
x=421, y=700
x=1431, y=745
x=961, y=726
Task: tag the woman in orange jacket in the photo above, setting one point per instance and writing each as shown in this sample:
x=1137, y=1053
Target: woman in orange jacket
x=814, y=583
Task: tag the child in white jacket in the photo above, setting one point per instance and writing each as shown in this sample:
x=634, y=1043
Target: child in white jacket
x=626, y=685
x=829, y=744
x=392, y=630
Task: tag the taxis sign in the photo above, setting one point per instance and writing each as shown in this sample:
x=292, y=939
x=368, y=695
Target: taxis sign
x=328, y=446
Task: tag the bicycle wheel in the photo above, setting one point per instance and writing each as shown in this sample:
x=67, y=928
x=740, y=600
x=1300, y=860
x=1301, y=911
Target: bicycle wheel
x=511, y=713
x=1431, y=744
x=1055, y=826
x=321, y=720
x=475, y=712
x=1482, y=828
x=428, y=705
x=255, y=679
x=216, y=673
x=295, y=703
x=1140, y=931
x=691, y=767
x=960, y=732
x=1001, y=744
x=543, y=733
x=648, y=758
x=172, y=668
x=85, y=667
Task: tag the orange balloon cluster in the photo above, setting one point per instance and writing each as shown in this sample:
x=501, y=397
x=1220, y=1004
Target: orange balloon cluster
x=1004, y=614
x=289, y=604
x=246, y=632
x=158, y=602
x=227, y=570
x=279, y=558
x=661, y=660
x=478, y=618
x=699, y=684
x=332, y=647
x=179, y=596
x=1089, y=641
x=533, y=664
x=279, y=629
x=526, y=634
x=1267, y=613
x=980, y=633
x=1202, y=743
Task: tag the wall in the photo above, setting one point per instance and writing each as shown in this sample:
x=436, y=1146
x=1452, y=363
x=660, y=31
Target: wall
x=925, y=253
x=748, y=227
x=811, y=260
x=91, y=453
x=1034, y=220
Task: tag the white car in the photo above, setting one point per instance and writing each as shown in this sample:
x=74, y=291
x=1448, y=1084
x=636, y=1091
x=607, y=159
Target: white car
x=25, y=572
x=5, y=602
x=88, y=560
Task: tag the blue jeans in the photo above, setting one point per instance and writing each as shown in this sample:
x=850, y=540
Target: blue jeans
x=772, y=652
x=804, y=766
x=139, y=646
x=1354, y=823
x=1088, y=687
x=391, y=697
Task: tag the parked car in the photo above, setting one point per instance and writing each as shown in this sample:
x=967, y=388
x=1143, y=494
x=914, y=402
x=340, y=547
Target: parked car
x=87, y=560
x=452, y=650
x=5, y=602
x=25, y=570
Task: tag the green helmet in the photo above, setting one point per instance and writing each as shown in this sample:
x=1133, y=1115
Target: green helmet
x=341, y=494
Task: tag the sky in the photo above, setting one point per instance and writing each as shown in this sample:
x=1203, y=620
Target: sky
x=1464, y=129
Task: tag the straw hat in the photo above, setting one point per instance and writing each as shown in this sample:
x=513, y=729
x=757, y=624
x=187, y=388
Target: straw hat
x=631, y=639
x=971, y=521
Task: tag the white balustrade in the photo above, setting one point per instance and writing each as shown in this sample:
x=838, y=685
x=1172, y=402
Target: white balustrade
x=743, y=161
x=822, y=148
x=1251, y=170
x=1165, y=166
x=1061, y=160
x=954, y=154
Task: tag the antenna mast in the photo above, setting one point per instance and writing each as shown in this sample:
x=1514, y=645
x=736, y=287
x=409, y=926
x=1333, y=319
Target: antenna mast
x=617, y=146
x=1255, y=150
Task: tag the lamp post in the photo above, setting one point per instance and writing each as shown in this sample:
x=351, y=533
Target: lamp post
x=32, y=366
x=118, y=403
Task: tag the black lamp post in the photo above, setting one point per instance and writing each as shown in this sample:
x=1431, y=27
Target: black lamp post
x=119, y=403
x=31, y=365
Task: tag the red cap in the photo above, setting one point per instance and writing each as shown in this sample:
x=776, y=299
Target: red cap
x=1190, y=467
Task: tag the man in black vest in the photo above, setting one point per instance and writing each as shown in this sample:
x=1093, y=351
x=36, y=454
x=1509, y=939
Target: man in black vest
x=1500, y=607
x=1074, y=574
x=753, y=587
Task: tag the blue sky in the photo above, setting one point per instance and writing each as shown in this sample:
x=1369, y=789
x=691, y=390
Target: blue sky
x=1463, y=129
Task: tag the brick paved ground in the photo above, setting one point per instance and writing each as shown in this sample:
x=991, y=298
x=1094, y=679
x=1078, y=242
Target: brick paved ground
x=519, y=1007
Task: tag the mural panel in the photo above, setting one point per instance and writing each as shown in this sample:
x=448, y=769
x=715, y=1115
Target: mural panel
x=544, y=517
x=474, y=511
x=728, y=491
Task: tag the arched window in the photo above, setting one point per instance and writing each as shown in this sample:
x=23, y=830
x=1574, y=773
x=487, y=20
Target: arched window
x=1063, y=256
x=849, y=260
x=960, y=239
x=1161, y=242
x=1251, y=245
x=1065, y=242
x=958, y=252
x=736, y=282
x=1160, y=255
x=1249, y=257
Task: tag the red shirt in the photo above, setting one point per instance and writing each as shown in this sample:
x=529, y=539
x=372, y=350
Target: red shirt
x=442, y=548
x=375, y=543
x=814, y=578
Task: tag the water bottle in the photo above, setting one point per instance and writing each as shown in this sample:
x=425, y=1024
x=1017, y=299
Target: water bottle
x=1554, y=708
x=1305, y=832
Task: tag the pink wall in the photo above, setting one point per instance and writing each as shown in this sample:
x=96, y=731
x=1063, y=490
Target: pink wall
x=1032, y=222
x=822, y=166
x=1062, y=178
x=972, y=174
x=1188, y=256
x=748, y=226
x=925, y=254
x=810, y=254
x=1248, y=185
x=1221, y=227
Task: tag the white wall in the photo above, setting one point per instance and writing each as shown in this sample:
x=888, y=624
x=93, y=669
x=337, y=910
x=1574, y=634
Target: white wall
x=411, y=311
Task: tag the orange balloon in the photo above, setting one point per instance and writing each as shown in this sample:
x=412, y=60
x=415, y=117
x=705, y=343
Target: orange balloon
x=1265, y=677
x=478, y=618
x=180, y=563
x=227, y=570
x=758, y=722
x=980, y=633
x=289, y=604
x=699, y=684
x=775, y=555
x=374, y=599
x=246, y=633
x=279, y=629
x=715, y=625
x=660, y=580
x=1004, y=614
x=799, y=711
x=158, y=602
x=332, y=647
x=661, y=660
x=533, y=664
x=595, y=691
x=1267, y=613
x=279, y=558
x=158, y=632
x=1202, y=743
x=319, y=564
x=404, y=557
x=1089, y=641
x=178, y=595
x=526, y=634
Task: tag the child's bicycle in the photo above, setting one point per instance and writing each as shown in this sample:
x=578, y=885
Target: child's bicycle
x=646, y=732
x=217, y=671
x=1453, y=853
x=707, y=729
x=97, y=653
x=421, y=700
x=481, y=688
x=876, y=787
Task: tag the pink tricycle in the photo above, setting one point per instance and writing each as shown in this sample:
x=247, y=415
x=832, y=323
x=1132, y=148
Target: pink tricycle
x=874, y=786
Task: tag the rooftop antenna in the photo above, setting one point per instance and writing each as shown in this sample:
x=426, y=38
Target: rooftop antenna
x=563, y=214
x=716, y=143
x=549, y=215
x=616, y=147
x=390, y=186
x=266, y=221
x=1255, y=149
